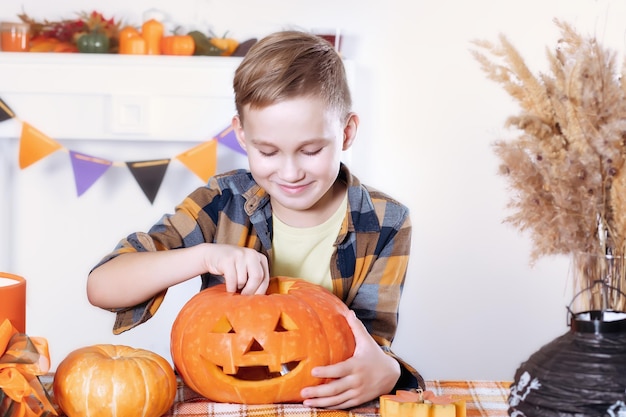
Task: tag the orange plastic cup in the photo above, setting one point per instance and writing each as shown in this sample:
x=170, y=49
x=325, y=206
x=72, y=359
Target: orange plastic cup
x=13, y=300
x=14, y=37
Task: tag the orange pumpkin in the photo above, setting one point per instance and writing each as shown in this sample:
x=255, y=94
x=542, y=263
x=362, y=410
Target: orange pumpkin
x=178, y=45
x=259, y=349
x=114, y=380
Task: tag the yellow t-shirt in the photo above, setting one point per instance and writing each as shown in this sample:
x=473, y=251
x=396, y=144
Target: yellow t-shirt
x=304, y=252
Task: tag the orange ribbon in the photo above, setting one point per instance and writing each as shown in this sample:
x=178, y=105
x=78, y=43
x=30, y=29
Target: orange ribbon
x=22, y=360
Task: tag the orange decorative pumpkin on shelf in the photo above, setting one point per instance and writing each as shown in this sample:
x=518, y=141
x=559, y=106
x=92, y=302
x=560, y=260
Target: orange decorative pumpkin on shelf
x=259, y=349
x=178, y=45
x=114, y=380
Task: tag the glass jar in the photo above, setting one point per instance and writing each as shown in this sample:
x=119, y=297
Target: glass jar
x=14, y=37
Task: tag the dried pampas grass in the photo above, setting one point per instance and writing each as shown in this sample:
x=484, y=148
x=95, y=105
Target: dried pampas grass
x=566, y=167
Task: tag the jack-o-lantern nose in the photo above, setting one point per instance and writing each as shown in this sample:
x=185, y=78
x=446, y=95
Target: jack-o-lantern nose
x=255, y=346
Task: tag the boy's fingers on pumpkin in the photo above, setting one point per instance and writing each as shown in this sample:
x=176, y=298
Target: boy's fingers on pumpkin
x=230, y=279
x=357, y=327
x=255, y=277
x=262, y=289
x=250, y=287
x=332, y=395
x=245, y=269
x=242, y=278
x=334, y=371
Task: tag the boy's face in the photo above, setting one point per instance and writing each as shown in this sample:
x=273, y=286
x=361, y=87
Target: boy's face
x=294, y=150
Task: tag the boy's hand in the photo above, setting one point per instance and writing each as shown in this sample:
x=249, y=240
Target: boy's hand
x=244, y=269
x=369, y=373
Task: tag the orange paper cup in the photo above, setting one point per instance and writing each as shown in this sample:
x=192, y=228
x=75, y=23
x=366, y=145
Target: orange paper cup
x=13, y=300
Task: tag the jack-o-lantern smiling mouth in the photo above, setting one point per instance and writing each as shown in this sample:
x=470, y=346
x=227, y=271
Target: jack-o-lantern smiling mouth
x=255, y=350
x=260, y=373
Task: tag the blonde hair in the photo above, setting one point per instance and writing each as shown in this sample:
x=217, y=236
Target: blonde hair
x=291, y=64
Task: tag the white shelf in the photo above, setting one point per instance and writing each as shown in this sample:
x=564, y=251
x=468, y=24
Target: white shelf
x=119, y=97
x=79, y=73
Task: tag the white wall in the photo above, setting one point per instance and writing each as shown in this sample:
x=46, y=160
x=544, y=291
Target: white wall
x=473, y=307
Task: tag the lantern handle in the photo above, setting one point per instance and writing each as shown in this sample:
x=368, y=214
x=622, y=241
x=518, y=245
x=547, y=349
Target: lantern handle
x=597, y=314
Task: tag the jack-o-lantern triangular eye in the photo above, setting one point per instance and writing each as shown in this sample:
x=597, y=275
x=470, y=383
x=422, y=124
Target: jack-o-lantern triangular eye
x=285, y=323
x=223, y=326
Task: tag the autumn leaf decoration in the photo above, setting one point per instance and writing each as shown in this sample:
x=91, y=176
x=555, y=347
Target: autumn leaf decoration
x=69, y=30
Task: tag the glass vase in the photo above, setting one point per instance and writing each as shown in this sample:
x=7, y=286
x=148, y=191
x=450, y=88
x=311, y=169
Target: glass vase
x=598, y=282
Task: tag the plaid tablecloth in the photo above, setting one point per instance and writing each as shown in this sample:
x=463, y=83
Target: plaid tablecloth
x=482, y=399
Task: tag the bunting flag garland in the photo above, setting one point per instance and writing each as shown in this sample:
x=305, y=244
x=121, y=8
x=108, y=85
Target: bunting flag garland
x=35, y=145
x=201, y=159
x=5, y=111
x=87, y=170
x=149, y=175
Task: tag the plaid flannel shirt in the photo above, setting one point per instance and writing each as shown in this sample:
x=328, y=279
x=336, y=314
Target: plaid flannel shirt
x=368, y=267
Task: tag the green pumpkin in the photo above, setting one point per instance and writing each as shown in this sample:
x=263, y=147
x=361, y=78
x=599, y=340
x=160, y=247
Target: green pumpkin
x=95, y=43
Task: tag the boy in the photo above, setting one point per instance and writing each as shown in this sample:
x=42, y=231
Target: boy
x=298, y=212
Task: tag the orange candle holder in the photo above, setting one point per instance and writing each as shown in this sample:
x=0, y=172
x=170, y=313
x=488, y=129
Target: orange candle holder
x=14, y=37
x=13, y=300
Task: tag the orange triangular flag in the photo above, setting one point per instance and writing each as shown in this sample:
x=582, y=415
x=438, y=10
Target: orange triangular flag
x=201, y=159
x=35, y=145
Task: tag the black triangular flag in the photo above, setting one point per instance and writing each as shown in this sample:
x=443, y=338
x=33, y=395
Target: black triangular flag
x=5, y=111
x=149, y=175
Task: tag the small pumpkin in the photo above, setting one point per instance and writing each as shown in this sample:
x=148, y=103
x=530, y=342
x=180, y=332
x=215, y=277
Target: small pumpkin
x=114, y=380
x=178, y=45
x=94, y=42
x=259, y=349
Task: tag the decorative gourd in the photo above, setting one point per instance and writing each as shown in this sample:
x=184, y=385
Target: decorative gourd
x=226, y=45
x=259, y=349
x=114, y=380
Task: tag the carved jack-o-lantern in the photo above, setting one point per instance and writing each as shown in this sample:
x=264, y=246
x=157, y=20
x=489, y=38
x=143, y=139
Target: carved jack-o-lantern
x=259, y=349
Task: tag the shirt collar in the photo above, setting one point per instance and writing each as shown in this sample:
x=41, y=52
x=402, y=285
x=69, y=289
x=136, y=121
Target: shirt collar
x=360, y=211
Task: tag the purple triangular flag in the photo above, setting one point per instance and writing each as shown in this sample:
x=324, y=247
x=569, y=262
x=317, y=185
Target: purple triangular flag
x=149, y=175
x=229, y=138
x=87, y=170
